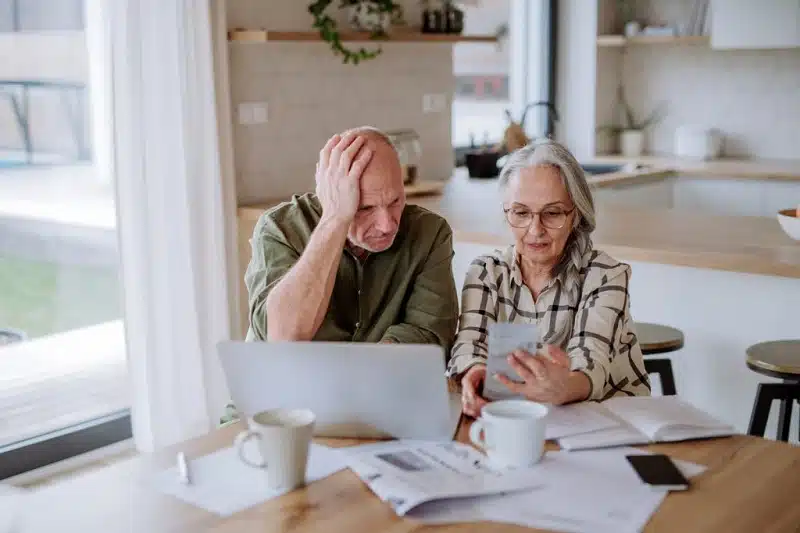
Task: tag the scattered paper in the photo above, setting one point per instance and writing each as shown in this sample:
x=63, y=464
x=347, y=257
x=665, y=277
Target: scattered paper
x=223, y=485
x=10, y=507
x=594, y=491
x=407, y=473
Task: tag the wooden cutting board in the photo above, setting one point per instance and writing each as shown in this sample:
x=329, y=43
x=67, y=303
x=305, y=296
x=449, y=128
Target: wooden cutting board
x=424, y=188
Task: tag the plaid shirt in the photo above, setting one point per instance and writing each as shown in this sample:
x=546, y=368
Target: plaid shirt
x=592, y=324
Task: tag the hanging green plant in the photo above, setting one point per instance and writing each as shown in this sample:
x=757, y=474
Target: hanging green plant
x=379, y=13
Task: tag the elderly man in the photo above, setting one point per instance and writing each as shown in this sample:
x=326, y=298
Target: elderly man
x=353, y=262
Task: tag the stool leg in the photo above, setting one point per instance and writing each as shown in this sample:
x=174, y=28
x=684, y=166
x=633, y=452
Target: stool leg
x=760, y=414
x=667, y=379
x=785, y=419
x=662, y=367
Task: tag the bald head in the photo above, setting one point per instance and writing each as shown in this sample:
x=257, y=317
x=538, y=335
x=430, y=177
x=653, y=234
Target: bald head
x=383, y=171
x=382, y=196
x=371, y=133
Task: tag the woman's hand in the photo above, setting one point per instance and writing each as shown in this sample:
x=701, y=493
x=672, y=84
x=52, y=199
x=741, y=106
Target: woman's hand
x=471, y=400
x=548, y=378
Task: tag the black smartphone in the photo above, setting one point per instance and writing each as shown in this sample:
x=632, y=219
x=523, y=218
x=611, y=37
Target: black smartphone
x=658, y=471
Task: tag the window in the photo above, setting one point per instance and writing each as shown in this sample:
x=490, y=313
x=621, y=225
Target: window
x=491, y=80
x=62, y=351
x=482, y=76
x=41, y=15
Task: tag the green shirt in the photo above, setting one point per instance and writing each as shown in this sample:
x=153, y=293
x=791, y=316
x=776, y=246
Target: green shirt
x=404, y=294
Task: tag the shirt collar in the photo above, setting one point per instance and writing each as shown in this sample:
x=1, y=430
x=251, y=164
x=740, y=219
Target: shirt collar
x=359, y=253
x=516, y=271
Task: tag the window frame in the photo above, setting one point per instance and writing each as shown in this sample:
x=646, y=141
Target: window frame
x=43, y=450
x=526, y=84
x=30, y=454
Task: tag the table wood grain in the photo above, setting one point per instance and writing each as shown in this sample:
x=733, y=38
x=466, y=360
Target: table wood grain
x=751, y=485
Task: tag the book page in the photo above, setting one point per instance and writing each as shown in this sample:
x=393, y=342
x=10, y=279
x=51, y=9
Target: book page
x=622, y=435
x=574, y=419
x=655, y=416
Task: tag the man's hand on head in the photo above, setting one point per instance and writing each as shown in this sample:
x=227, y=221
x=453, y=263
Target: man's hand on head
x=341, y=163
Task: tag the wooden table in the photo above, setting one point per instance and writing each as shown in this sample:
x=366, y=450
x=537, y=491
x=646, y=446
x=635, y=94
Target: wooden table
x=752, y=485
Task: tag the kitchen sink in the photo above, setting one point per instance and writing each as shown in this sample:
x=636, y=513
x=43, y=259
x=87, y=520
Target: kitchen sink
x=601, y=168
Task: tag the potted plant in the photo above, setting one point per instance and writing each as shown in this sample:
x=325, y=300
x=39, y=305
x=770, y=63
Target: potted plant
x=373, y=16
x=631, y=132
x=626, y=11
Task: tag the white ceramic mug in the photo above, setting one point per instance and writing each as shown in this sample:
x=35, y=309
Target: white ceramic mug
x=513, y=432
x=284, y=438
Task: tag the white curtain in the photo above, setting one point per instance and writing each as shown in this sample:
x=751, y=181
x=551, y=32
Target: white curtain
x=170, y=213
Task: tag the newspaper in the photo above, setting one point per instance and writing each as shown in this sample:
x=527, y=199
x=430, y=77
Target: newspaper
x=504, y=338
x=408, y=473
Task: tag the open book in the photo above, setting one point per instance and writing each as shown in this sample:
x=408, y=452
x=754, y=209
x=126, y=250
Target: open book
x=649, y=419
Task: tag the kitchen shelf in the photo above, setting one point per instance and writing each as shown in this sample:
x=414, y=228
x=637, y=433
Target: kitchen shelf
x=396, y=35
x=611, y=41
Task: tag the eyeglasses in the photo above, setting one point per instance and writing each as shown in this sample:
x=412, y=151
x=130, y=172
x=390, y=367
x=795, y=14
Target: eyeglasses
x=551, y=217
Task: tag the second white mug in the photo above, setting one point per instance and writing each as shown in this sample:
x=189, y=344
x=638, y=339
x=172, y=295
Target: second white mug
x=284, y=439
x=513, y=432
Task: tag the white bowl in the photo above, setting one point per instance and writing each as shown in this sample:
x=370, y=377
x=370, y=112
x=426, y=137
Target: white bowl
x=790, y=223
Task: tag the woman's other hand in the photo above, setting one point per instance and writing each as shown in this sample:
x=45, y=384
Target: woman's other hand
x=471, y=400
x=547, y=377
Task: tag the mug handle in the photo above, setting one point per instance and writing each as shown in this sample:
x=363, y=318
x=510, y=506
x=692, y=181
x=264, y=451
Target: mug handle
x=475, y=434
x=239, y=443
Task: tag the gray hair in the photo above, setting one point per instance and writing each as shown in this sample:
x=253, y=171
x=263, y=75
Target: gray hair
x=547, y=152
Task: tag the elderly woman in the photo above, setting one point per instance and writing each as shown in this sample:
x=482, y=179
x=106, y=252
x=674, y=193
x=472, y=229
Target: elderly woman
x=552, y=277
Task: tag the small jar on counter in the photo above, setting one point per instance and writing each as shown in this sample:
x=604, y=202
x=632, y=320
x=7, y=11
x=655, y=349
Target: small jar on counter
x=409, y=150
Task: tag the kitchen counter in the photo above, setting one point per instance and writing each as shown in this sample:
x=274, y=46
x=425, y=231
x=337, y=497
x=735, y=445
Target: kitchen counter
x=754, y=245
x=760, y=169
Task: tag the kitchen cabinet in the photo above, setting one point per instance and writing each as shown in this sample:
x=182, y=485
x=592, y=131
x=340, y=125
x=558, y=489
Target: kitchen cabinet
x=719, y=196
x=780, y=195
x=658, y=194
x=746, y=24
x=738, y=197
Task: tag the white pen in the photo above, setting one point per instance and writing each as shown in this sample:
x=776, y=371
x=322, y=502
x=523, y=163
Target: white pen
x=183, y=469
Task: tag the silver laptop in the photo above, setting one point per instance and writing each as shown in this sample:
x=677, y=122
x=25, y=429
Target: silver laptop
x=356, y=390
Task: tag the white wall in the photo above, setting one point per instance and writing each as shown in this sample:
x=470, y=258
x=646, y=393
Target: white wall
x=575, y=78
x=720, y=314
x=311, y=95
x=753, y=96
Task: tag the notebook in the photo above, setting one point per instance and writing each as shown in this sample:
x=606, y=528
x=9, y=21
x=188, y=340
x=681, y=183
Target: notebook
x=647, y=420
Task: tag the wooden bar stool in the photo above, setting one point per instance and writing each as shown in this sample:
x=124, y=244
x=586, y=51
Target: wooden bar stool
x=777, y=359
x=657, y=339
